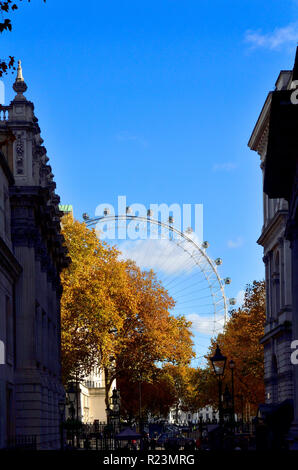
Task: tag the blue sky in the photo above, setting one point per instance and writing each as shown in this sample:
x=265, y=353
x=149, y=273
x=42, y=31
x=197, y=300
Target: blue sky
x=156, y=100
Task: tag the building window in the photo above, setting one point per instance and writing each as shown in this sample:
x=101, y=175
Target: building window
x=9, y=330
x=9, y=412
x=44, y=340
x=274, y=379
x=2, y=211
x=276, y=281
x=6, y=215
x=274, y=364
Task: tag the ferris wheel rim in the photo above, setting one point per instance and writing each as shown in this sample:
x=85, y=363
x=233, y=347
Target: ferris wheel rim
x=90, y=222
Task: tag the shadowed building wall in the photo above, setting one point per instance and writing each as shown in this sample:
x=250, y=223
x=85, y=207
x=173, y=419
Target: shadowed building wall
x=33, y=386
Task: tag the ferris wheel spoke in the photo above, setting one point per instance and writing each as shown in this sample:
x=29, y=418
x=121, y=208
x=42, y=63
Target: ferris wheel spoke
x=182, y=266
x=189, y=287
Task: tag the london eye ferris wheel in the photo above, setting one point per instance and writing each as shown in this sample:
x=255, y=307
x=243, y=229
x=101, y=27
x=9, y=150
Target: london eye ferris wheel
x=181, y=263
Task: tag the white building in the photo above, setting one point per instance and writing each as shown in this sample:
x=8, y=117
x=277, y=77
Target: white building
x=91, y=397
x=207, y=414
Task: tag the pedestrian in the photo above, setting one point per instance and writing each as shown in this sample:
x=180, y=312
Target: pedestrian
x=262, y=435
x=152, y=443
x=192, y=445
x=145, y=444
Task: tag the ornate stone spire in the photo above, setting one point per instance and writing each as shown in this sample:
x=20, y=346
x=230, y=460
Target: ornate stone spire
x=19, y=85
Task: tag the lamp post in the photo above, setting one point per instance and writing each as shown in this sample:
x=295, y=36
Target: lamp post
x=219, y=363
x=232, y=367
x=228, y=405
x=113, y=331
x=115, y=400
x=61, y=407
x=71, y=394
x=140, y=404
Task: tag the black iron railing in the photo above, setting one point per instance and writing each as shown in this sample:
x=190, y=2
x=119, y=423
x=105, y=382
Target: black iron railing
x=22, y=442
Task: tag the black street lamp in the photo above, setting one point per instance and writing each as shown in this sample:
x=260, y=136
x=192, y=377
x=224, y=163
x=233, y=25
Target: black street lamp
x=61, y=407
x=114, y=410
x=140, y=405
x=228, y=402
x=232, y=367
x=72, y=395
x=219, y=363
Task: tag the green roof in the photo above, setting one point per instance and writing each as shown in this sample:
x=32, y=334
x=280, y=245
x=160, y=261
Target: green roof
x=66, y=208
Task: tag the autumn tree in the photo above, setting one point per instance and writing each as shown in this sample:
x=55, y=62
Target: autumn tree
x=115, y=315
x=185, y=384
x=154, y=397
x=7, y=7
x=153, y=335
x=173, y=387
x=95, y=286
x=240, y=341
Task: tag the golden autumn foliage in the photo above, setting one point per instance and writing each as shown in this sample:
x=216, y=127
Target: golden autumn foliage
x=184, y=381
x=94, y=285
x=240, y=341
x=113, y=314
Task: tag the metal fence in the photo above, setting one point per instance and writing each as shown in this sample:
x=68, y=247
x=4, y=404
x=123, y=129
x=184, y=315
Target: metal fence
x=22, y=442
x=96, y=442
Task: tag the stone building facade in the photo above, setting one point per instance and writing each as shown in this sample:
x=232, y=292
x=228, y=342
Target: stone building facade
x=277, y=259
x=275, y=139
x=10, y=270
x=31, y=258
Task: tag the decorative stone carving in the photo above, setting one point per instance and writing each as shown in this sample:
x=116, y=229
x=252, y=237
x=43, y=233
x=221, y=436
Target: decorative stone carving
x=20, y=154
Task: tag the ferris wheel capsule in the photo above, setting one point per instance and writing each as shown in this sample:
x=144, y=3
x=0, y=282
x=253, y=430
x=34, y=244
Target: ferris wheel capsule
x=205, y=245
x=171, y=219
x=228, y=280
x=106, y=211
x=218, y=261
x=128, y=210
x=232, y=301
x=189, y=230
x=86, y=216
x=149, y=213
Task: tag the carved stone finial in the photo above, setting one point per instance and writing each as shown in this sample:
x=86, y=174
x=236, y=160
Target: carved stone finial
x=19, y=73
x=19, y=85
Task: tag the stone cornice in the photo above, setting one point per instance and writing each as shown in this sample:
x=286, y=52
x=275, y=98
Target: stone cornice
x=282, y=375
x=277, y=331
x=277, y=221
x=259, y=135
